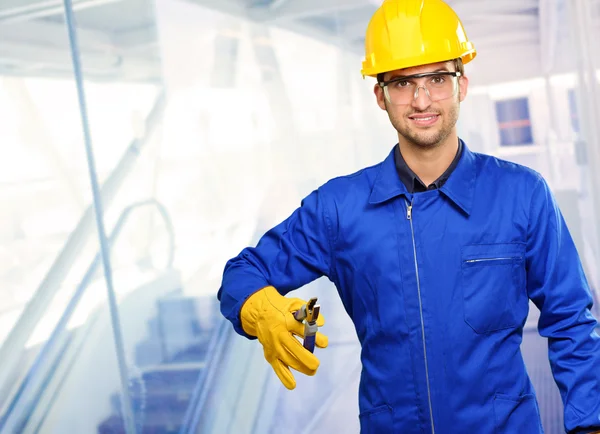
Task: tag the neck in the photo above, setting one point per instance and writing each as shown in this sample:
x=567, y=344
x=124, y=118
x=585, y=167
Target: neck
x=429, y=163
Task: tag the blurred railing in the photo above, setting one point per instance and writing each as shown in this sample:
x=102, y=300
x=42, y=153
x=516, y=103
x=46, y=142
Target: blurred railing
x=28, y=391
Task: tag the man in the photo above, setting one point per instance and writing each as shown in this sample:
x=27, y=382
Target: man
x=435, y=253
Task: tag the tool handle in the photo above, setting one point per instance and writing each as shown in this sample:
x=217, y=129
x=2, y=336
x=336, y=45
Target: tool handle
x=309, y=343
x=310, y=332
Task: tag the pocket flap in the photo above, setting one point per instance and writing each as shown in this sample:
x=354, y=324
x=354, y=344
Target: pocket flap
x=493, y=251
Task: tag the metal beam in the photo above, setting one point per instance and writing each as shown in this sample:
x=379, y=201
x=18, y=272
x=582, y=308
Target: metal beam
x=51, y=35
x=230, y=7
x=550, y=11
x=485, y=27
x=44, y=9
x=508, y=19
x=302, y=9
x=21, y=59
x=508, y=39
x=483, y=32
x=467, y=8
x=234, y=8
x=36, y=57
x=26, y=59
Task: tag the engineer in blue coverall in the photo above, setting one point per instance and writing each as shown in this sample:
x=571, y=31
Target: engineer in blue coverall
x=435, y=253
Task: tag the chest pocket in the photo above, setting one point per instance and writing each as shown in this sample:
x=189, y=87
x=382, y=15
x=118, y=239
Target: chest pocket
x=493, y=285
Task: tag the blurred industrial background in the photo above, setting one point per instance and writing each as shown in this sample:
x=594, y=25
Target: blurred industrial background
x=209, y=120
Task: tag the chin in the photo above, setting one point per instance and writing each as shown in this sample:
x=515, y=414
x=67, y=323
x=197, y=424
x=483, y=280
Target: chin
x=425, y=140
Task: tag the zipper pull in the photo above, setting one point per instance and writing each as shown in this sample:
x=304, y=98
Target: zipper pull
x=409, y=212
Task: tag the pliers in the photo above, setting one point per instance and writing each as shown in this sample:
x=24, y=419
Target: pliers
x=308, y=314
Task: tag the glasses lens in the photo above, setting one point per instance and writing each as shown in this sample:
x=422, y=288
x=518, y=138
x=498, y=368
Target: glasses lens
x=440, y=87
x=437, y=88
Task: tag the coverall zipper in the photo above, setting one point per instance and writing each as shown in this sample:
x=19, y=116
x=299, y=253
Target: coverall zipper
x=412, y=230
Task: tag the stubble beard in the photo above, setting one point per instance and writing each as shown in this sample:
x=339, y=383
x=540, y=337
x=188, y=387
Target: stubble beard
x=426, y=139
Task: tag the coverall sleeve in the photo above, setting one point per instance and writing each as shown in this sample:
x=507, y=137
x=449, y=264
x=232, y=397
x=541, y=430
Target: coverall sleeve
x=290, y=255
x=557, y=285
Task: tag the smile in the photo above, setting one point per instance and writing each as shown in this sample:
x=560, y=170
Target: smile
x=424, y=120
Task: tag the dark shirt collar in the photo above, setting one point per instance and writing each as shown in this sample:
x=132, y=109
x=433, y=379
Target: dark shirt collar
x=459, y=188
x=412, y=182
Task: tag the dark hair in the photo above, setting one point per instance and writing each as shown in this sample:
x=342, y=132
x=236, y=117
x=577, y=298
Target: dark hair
x=458, y=63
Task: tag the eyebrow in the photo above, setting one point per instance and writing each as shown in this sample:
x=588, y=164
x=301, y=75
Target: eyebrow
x=442, y=69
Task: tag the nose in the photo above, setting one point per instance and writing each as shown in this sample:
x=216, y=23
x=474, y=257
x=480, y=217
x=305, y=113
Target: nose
x=422, y=100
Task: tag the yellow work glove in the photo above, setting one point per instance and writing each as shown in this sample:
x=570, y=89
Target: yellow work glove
x=268, y=315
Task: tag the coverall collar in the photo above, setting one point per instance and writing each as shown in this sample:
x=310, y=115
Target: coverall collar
x=460, y=187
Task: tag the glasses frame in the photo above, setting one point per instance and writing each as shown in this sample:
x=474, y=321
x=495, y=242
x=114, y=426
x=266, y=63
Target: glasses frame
x=384, y=84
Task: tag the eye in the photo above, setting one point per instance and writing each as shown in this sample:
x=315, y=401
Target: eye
x=438, y=80
x=402, y=83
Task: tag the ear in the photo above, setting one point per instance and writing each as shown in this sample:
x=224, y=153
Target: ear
x=380, y=96
x=463, y=87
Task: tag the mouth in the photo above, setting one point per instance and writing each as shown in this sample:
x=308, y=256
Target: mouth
x=424, y=119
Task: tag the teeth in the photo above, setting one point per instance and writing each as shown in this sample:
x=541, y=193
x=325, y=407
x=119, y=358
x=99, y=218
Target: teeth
x=425, y=119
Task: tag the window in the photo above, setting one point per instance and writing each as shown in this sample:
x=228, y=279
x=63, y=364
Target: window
x=514, y=122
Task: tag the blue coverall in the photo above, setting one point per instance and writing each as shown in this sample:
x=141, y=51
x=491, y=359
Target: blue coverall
x=438, y=285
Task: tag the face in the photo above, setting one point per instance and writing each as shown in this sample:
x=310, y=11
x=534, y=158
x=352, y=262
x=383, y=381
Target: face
x=413, y=121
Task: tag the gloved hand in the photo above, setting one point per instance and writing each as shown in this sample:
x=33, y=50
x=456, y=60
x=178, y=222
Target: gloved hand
x=267, y=315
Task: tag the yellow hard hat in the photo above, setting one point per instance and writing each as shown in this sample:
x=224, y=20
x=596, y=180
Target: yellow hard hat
x=406, y=33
